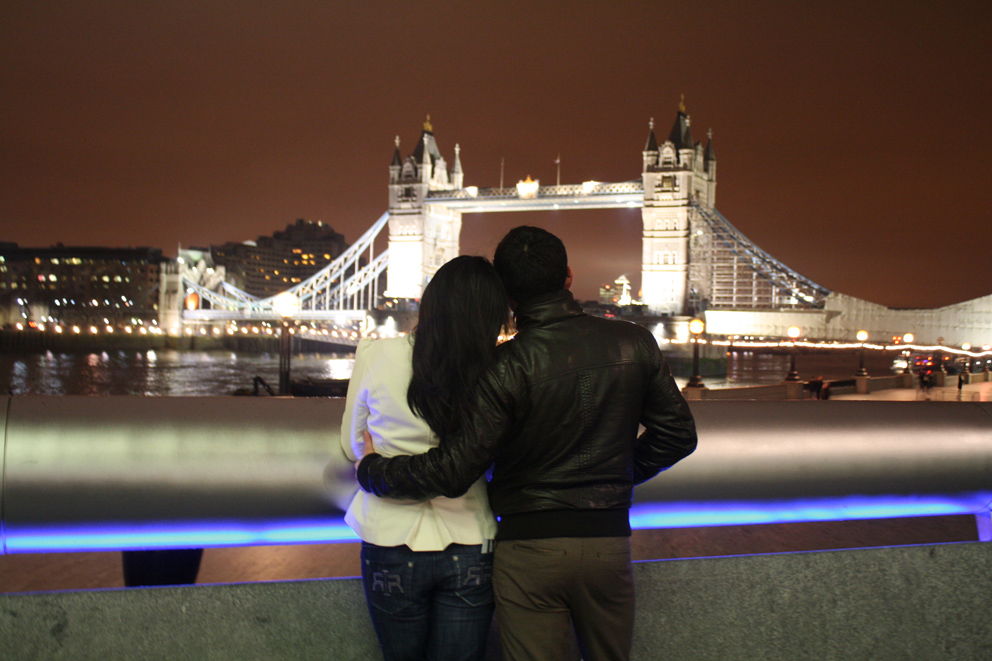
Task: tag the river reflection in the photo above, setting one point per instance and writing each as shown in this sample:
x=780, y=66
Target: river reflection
x=207, y=373
x=159, y=373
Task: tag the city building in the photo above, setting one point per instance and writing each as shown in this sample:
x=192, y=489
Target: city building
x=272, y=264
x=78, y=285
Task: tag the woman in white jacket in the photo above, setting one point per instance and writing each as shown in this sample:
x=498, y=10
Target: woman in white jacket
x=427, y=565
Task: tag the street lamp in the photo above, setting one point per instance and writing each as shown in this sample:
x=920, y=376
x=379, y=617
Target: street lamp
x=908, y=339
x=793, y=335
x=696, y=327
x=862, y=337
x=286, y=306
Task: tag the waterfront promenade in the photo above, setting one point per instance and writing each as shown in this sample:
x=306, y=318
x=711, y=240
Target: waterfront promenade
x=971, y=392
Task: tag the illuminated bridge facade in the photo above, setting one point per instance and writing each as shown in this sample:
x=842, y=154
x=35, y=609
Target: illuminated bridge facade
x=694, y=262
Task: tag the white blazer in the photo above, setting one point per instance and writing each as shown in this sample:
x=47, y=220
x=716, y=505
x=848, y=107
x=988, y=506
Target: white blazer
x=377, y=402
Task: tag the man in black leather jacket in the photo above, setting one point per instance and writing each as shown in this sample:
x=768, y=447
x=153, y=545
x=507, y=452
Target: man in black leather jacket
x=558, y=416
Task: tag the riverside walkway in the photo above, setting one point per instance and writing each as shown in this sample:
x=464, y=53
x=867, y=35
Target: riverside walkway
x=895, y=388
x=970, y=392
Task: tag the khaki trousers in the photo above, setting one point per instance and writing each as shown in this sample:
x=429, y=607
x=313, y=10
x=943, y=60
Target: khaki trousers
x=544, y=585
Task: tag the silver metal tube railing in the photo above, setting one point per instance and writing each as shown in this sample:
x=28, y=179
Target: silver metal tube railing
x=106, y=473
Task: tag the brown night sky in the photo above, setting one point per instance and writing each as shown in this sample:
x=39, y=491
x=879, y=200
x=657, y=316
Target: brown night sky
x=853, y=138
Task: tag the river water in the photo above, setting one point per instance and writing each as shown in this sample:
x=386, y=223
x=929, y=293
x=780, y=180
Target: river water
x=171, y=373
x=166, y=373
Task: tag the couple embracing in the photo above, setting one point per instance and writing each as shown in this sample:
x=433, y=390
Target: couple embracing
x=551, y=417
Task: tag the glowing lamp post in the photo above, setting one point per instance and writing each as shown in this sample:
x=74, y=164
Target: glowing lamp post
x=793, y=335
x=696, y=327
x=286, y=306
x=862, y=337
x=908, y=339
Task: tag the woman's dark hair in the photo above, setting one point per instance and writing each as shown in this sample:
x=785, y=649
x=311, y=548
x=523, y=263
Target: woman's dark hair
x=462, y=311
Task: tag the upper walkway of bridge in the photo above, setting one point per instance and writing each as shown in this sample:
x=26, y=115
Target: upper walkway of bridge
x=529, y=196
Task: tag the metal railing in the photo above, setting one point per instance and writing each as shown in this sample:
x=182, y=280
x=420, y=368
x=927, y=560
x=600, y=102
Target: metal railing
x=118, y=473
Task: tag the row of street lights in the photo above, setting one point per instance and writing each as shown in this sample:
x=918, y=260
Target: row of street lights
x=286, y=305
x=697, y=326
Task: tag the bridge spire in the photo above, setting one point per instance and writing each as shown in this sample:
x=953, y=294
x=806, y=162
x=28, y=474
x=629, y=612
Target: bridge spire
x=652, y=144
x=709, y=159
x=458, y=177
x=396, y=164
x=650, y=149
x=425, y=165
x=681, y=136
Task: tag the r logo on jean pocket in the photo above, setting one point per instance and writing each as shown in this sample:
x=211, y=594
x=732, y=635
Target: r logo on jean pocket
x=478, y=575
x=386, y=582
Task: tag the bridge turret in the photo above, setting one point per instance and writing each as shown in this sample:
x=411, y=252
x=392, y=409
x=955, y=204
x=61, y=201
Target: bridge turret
x=422, y=235
x=686, y=149
x=425, y=163
x=394, y=167
x=668, y=187
x=458, y=177
x=710, y=166
x=650, y=149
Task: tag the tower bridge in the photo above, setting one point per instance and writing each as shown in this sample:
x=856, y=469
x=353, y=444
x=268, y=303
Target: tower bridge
x=694, y=262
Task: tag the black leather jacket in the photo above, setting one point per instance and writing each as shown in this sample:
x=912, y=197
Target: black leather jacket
x=558, y=413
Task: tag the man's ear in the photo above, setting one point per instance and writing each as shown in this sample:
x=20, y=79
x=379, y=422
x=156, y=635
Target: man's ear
x=568, y=280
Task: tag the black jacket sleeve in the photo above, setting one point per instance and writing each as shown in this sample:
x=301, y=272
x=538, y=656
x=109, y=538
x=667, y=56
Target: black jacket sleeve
x=447, y=470
x=669, y=429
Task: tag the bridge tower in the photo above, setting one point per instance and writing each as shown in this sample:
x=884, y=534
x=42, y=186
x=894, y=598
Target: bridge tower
x=422, y=236
x=675, y=173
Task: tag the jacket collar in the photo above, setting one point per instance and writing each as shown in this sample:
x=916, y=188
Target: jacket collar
x=546, y=309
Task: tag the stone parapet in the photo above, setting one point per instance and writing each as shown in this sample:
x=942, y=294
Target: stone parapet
x=915, y=602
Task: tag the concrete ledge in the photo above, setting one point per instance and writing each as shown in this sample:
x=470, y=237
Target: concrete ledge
x=920, y=602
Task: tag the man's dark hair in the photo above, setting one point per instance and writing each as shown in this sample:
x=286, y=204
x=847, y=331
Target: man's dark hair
x=531, y=262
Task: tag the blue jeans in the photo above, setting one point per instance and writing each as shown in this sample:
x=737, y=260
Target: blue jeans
x=434, y=605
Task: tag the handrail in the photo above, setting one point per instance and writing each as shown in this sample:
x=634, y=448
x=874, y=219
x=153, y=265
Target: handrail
x=115, y=473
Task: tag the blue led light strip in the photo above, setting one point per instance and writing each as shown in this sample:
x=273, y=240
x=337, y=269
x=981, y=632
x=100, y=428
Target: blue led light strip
x=844, y=508
x=111, y=537
x=118, y=537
